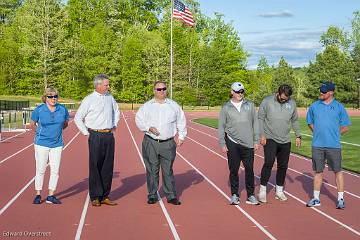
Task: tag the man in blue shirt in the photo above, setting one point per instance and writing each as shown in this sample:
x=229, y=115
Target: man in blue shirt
x=328, y=119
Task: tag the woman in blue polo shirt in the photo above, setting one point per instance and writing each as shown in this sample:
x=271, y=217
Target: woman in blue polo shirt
x=49, y=120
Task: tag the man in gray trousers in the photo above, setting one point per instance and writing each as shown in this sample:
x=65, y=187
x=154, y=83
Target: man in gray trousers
x=160, y=119
x=238, y=137
x=277, y=115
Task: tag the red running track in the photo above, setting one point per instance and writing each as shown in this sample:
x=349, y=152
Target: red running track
x=201, y=175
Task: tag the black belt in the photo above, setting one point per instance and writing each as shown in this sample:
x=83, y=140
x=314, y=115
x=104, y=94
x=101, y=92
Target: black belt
x=159, y=140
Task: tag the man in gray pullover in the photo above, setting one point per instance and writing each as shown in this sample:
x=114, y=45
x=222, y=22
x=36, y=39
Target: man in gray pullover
x=277, y=114
x=238, y=137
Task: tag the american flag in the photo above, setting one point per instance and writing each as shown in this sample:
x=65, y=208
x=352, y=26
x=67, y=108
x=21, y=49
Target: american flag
x=182, y=13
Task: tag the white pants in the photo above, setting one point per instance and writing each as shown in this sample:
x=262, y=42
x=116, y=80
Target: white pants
x=43, y=155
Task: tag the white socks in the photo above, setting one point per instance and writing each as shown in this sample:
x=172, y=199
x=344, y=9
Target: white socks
x=340, y=195
x=317, y=194
x=279, y=188
x=262, y=188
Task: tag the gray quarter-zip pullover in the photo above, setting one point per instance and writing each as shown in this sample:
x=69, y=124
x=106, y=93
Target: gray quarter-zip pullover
x=241, y=127
x=276, y=119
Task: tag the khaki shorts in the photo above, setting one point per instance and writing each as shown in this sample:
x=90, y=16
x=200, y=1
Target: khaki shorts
x=331, y=156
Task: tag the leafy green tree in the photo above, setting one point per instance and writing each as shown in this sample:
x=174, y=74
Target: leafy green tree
x=283, y=74
x=337, y=37
x=39, y=24
x=336, y=66
x=7, y=10
x=224, y=60
x=355, y=23
x=261, y=81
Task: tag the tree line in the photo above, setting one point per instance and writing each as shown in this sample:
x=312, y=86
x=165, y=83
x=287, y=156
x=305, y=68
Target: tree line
x=65, y=44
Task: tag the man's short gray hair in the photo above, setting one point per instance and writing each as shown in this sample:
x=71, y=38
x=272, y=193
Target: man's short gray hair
x=158, y=82
x=98, y=79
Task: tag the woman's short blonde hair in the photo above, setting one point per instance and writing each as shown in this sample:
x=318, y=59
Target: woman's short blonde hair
x=48, y=91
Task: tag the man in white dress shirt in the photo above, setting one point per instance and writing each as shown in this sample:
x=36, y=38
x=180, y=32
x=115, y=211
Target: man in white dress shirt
x=97, y=117
x=160, y=119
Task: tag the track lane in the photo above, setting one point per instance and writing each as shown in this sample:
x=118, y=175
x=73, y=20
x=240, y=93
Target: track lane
x=298, y=187
x=132, y=218
x=210, y=217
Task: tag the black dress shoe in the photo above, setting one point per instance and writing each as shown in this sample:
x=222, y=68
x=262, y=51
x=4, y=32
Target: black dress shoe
x=174, y=201
x=152, y=200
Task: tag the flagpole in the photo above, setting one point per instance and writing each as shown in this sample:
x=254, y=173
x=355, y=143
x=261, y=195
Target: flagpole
x=171, y=48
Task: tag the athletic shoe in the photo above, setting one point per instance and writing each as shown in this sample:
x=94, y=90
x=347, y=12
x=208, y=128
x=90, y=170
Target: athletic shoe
x=340, y=204
x=313, y=203
x=52, y=199
x=252, y=200
x=37, y=199
x=280, y=196
x=234, y=200
x=262, y=196
x=174, y=201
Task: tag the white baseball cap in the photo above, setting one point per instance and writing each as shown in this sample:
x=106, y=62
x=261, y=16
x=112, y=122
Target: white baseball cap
x=237, y=86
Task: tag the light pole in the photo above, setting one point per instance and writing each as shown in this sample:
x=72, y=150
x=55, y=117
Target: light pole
x=358, y=82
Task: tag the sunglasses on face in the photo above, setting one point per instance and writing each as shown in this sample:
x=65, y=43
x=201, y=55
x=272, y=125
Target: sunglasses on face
x=161, y=89
x=51, y=97
x=241, y=91
x=322, y=92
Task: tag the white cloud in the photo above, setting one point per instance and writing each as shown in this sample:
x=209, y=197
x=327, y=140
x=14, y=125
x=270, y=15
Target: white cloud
x=284, y=13
x=298, y=47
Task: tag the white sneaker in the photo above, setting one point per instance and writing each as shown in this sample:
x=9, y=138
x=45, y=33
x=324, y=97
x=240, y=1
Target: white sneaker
x=252, y=200
x=262, y=196
x=280, y=196
x=234, y=200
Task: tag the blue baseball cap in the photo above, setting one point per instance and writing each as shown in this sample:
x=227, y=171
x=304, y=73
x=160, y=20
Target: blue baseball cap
x=327, y=87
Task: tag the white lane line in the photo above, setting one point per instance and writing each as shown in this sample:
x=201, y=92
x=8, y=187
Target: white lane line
x=325, y=183
x=167, y=216
x=16, y=196
x=28, y=184
x=309, y=160
x=291, y=169
x=292, y=154
x=5, y=159
x=267, y=233
x=82, y=218
x=5, y=139
x=348, y=143
x=308, y=135
x=293, y=196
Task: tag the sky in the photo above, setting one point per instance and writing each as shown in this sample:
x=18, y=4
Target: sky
x=288, y=28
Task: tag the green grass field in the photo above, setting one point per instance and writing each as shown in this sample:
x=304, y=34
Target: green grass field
x=351, y=154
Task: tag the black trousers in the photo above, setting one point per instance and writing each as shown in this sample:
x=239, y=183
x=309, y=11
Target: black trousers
x=237, y=153
x=281, y=151
x=101, y=163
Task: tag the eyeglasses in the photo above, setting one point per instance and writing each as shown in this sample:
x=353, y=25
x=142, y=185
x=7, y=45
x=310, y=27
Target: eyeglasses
x=240, y=91
x=161, y=89
x=51, y=97
x=322, y=92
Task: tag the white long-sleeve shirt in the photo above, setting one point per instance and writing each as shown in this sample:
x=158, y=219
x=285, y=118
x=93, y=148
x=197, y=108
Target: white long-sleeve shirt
x=168, y=118
x=97, y=111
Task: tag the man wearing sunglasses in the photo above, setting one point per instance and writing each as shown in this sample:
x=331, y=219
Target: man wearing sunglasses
x=238, y=137
x=277, y=115
x=98, y=117
x=161, y=119
x=328, y=119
